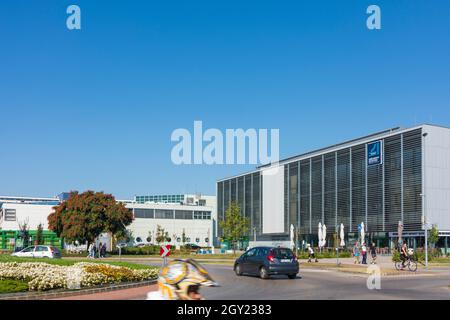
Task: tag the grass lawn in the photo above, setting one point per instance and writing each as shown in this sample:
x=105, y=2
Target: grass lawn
x=11, y=286
x=69, y=262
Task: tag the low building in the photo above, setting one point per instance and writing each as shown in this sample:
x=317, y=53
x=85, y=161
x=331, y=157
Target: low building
x=13, y=214
x=196, y=220
x=194, y=215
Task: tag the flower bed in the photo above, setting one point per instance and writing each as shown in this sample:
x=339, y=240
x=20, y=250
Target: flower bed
x=43, y=276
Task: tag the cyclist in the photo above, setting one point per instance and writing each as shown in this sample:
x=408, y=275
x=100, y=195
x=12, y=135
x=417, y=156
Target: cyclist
x=181, y=280
x=404, y=256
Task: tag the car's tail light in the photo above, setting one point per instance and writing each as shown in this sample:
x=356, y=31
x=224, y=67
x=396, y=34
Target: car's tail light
x=270, y=258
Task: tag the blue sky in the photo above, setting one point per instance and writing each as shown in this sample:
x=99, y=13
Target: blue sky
x=95, y=108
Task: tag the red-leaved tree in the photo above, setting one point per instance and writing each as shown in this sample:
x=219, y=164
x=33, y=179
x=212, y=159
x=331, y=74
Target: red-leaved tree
x=84, y=216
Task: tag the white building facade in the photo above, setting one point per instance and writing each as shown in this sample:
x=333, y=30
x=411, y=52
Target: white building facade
x=184, y=223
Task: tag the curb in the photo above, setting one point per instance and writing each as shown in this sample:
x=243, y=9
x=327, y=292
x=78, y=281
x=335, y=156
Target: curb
x=359, y=271
x=63, y=294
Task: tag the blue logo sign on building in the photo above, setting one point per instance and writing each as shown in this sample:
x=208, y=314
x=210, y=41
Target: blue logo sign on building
x=374, y=153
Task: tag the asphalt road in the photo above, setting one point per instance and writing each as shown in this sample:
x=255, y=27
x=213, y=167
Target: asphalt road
x=315, y=284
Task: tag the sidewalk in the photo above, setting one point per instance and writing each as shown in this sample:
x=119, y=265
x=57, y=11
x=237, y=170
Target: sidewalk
x=385, y=263
x=126, y=294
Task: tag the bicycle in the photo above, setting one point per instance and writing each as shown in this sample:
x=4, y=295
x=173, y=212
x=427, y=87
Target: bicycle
x=410, y=263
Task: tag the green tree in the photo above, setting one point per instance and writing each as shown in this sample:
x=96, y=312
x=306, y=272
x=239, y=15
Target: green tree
x=161, y=235
x=24, y=233
x=84, y=216
x=433, y=236
x=183, y=237
x=234, y=226
x=39, y=234
x=124, y=236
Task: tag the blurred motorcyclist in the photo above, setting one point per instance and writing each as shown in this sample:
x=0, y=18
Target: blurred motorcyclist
x=181, y=280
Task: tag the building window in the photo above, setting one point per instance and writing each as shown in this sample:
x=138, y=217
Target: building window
x=188, y=239
x=197, y=240
x=10, y=214
x=207, y=215
x=202, y=215
x=197, y=215
x=206, y=240
x=178, y=239
x=183, y=214
x=144, y=213
x=163, y=214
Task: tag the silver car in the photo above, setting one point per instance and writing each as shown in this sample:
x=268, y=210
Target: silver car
x=38, y=252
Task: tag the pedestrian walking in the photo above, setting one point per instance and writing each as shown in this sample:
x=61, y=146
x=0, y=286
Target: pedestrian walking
x=364, y=253
x=373, y=253
x=312, y=254
x=356, y=253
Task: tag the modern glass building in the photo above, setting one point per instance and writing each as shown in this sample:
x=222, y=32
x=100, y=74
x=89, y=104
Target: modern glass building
x=381, y=179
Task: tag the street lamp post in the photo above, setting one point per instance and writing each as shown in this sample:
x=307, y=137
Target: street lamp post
x=337, y=244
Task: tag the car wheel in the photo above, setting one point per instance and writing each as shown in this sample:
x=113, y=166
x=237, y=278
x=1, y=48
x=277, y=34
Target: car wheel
x=263, y=273
x=238, y=270
x=292, y=276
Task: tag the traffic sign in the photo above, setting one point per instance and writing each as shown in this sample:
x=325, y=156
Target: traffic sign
x=164, y=251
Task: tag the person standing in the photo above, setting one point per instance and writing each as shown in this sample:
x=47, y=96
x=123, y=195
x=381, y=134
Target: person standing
x=364, y=253
x=373, y=253
x=99, y=250
x=356, y=253
x=91, y=251
x=104, y=250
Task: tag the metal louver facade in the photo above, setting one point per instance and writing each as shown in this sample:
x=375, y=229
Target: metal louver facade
x=337, y=185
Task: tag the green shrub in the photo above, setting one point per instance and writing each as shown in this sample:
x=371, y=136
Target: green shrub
x=10, y=286
x=147, y=250
x=419, y=255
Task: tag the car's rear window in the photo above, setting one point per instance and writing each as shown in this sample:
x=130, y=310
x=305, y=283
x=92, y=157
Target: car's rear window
x=281, y=253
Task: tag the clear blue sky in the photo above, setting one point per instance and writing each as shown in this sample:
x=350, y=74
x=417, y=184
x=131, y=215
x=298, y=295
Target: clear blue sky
x=94, y=109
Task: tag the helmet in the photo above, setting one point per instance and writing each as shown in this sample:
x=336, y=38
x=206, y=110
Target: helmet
x=180, y=277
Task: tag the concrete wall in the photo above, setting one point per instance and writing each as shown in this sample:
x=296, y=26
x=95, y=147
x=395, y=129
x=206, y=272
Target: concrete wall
x=437, y=176
x=34, y=213
x=193, y=229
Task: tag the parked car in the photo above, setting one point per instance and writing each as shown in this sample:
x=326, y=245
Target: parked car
x=192, y=247
x=38, y=252
x=267, y=261
x=139, y=243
